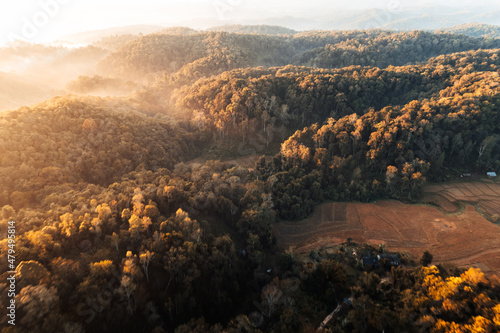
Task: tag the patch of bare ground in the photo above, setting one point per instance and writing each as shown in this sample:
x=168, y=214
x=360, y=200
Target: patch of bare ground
x=482, y=194
x=464, y=238
x=244, y=161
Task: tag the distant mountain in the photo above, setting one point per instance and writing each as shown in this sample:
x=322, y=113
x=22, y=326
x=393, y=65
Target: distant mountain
x=93, y=36
x=410, y=18
x=255, y=29
x=116, y=41
x=475, y=30
x=178, y=31
x=428, y=17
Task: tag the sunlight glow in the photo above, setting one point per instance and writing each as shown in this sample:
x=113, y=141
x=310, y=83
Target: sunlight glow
x=47, y=20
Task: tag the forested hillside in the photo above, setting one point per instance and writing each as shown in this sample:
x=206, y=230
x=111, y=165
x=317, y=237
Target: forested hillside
x=205, y=54
x=254, y=29
x=390, y=152
x=69, y=140
x=127, y=220
x=476, y=30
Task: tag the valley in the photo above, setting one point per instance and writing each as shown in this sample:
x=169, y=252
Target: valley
x=236, y=179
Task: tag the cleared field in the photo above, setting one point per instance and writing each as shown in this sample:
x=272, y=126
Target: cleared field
x=484, y=195
x=462, y=237
x=247, y=161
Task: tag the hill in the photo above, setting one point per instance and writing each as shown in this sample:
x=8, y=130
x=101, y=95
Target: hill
x=254, y=29
x=475, y=30
x=32, y=73
x=93, y=36
x=72, y=140
x=397, y=16
x=204, y=54
x=114, y=42
x=178, y=31
x=195, y=55
x=126, y=221
x=382, y=48
x=379, y=146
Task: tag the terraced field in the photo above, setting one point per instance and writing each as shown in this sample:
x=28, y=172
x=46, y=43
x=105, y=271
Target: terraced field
x=484, y=195
x=461, y=236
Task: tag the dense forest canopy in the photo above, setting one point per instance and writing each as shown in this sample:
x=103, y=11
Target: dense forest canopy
x=211, y=52
x=126, y=220
x=475, y=30
x=254, y=29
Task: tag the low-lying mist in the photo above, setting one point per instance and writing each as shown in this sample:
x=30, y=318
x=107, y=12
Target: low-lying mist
x=32, y=73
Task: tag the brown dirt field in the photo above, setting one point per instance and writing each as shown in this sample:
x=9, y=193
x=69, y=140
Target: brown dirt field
x=464, y=238
x=484, y=195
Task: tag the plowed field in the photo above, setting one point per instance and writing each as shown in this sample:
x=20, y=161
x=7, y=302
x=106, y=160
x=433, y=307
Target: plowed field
x=459, y=236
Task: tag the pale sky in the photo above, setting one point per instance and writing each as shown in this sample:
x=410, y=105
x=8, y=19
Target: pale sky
x=46, y=20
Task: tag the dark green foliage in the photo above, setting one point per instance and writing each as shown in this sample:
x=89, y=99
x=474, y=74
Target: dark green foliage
x=426, y=259
x=191, y=56
x=391, y=152
x=384, y=48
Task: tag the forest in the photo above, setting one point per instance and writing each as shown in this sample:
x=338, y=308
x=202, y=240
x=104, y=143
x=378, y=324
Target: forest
x=133, y=214
x=475, y=30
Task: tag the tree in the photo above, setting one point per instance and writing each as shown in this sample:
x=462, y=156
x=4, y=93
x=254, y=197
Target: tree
x=135, y=226
x=190, y=228
x=127, y=287
x=67, y=225
x=426, y=259
x=115, y=239
x=8, y=213
x=145, y=259
x=100, y=270
x=130, y=274
x=391, y=176
x=35, y=303
x=31, y=273
x=490, y=140
x=271, y=298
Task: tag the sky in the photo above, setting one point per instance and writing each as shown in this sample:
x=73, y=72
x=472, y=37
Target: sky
x=47, y=20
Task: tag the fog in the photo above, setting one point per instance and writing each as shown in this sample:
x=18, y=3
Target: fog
x=31, y=73
x=47, y=45
x=48, y=20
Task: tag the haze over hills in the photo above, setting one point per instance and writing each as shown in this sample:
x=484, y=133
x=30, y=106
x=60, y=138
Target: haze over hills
x=354, y=15
x=92, y=36
x=253, y=178
x=475, y=30
x=428, y=18
x=254, y=29
x=384, y=15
